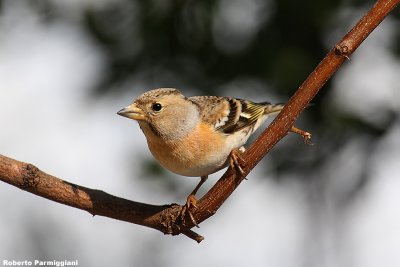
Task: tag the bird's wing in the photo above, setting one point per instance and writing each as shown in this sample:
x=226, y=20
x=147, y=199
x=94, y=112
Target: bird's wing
x=229, y=115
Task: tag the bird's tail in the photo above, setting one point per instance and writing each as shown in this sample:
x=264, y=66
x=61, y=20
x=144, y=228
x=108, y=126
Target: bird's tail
x=272, y=109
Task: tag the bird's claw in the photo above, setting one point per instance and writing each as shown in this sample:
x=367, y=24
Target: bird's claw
x=236, y=161
x=191, y=201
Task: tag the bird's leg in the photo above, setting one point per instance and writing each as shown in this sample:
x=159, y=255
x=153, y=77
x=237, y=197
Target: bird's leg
x=306, y=135
x=236, y=161
x=191, y=201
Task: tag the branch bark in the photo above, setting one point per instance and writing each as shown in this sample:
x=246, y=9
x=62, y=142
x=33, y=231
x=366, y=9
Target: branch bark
x=166, y=218
x=225, y=186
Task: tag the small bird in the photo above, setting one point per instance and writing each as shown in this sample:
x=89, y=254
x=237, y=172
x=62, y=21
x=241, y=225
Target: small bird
x=197, y=136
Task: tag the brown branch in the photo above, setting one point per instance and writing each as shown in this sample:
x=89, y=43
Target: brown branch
x=29, y=178
x=166, y=218
x=225, y=186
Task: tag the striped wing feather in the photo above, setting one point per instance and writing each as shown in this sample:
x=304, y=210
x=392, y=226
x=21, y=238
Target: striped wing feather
x=230, y=115
x=244, y=114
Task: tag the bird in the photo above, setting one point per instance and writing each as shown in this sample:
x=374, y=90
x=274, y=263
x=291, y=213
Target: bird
x=199, y=135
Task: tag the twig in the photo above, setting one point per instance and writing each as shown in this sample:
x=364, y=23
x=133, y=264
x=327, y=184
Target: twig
x=166, y=218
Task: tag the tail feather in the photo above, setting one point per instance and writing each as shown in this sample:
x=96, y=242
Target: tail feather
x=272, y=109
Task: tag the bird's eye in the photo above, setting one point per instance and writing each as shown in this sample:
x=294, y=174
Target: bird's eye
x=156, y=106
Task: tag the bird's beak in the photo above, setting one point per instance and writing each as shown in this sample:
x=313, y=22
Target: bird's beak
x=132, y=112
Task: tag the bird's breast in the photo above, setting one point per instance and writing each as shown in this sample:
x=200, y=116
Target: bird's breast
x=199, y=153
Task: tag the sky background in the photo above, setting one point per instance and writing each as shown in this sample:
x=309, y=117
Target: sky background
x=62, y=82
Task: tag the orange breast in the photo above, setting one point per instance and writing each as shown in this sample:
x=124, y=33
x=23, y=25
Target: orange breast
x=199, y=153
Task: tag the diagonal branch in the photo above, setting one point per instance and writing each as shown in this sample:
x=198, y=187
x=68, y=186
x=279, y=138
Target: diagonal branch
x=214, y=198
x=166, y=218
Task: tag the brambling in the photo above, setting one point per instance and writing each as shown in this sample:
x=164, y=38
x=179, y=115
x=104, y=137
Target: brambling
x=199, y=135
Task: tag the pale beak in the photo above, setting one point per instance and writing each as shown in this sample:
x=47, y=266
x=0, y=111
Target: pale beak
x=132, y=112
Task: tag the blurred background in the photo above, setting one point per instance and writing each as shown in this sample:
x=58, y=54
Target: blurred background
x=67, y=67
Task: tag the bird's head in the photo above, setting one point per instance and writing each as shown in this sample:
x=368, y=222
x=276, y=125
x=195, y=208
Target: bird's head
x=163, y=112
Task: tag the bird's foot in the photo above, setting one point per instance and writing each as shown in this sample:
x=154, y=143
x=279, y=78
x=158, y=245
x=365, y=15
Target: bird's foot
x=191, y=201
x=236, y=161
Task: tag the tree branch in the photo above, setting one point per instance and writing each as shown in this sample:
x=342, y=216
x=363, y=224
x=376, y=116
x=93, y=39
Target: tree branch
x=166, y=218
x=225, y=186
